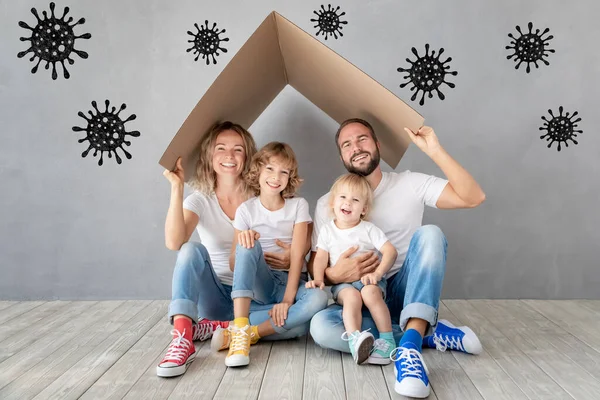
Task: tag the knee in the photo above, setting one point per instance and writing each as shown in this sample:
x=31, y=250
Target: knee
x=242, y=252
x=352, y=297
x=317, y=301
x=192, y=255
x=430, y=235
x=370, y=294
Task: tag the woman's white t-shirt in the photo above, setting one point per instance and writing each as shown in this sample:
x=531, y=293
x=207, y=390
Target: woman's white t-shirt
x=272, y=225
x=215, y=229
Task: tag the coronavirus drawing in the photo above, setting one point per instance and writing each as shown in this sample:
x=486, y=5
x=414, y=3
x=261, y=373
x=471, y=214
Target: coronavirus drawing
x=530, y=47
x=427, y=74
x=105, y=132
x=560, y=128
x=207, y=42
x=329, y=22
x=53, y=40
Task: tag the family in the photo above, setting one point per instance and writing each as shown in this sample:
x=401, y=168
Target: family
x=248, y=279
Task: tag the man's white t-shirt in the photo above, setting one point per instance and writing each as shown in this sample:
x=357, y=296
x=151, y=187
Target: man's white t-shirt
x=215, y=230
x=272, y=225
x=398, y=206
x=335, y=241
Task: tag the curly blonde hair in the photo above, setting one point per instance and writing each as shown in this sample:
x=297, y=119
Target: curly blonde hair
x=262, y=157
x=354, y=183
x=205, y=178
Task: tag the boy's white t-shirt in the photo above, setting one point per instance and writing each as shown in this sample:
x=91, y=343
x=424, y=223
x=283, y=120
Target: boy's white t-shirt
x=335, y=241
x=272, y=225
x=398, y=205
x=215, y=229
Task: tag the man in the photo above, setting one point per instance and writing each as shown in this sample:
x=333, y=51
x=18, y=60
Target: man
x=415, y=280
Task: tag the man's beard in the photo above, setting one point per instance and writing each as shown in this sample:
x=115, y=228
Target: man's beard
x=368, y=169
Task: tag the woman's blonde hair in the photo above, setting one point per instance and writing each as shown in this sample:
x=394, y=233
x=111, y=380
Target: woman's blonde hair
x=262, y=157
x=205, y=179
x=354, y=183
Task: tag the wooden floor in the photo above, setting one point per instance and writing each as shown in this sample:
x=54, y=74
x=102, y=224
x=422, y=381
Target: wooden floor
x=109, y=349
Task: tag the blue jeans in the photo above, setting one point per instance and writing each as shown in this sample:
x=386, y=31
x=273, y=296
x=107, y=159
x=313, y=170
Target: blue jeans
x=197, y=292
x=252, y=278
x=413, y=292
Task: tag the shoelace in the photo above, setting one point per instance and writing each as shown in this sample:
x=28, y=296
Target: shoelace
x=240, y=338
x=442, y=344
x=179, y=347
x=203, y=330
x=412, y=361
x=380, y=344
x=353, y=335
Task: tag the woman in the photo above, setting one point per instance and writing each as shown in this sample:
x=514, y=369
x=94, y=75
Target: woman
x=202, y=278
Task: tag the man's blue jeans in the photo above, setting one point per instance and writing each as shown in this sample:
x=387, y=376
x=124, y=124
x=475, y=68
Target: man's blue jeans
x=413, y=292
x=198, y=293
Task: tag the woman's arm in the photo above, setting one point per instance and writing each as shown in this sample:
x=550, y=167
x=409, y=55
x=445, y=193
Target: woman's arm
x=297, y=253
x=180, y=223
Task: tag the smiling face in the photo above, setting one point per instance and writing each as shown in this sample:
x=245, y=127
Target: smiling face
x=274, y=176
x=229, y=154
x=358, y=149
x=349, y=206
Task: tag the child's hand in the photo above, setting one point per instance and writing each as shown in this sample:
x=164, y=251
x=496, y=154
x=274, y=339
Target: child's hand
x=279, y=313
x=315, y=284
x=247, y=238
x=371, y=279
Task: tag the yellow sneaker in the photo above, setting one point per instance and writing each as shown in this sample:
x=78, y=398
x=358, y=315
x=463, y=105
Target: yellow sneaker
x=239, y=346
x=222, y=337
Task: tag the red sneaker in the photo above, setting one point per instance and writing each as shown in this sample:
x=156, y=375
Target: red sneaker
x=205, y=328
x=180, y=354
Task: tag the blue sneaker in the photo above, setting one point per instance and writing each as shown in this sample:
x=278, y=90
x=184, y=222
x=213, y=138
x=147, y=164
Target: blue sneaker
x=450, y=337
x=411, y=373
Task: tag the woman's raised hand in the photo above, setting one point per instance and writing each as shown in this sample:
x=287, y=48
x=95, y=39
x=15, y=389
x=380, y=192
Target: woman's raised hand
x=176, y=177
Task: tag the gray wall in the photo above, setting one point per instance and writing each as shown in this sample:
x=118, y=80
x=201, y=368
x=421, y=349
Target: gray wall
x=73, y=230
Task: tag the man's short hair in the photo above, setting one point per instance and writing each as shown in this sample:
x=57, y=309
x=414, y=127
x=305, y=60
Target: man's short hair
x=357, y=121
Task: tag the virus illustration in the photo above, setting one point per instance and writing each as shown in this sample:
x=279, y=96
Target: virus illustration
x=529, y=47
x=427, y=74
x=329, y=21
x=560, y=128
x=106, y=132
x=52, y=40
x=206, y=42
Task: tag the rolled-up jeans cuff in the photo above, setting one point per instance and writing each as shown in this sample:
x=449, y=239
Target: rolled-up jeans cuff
x=242, y=293
x=421, y=311
x=183, y=307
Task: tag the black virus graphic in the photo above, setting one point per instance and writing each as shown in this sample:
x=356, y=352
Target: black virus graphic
x=329, y=22
x=560, y=128
x=206, y=42
x=106, y=132
x=529, y=47
x=427, y=74
x=52, y=40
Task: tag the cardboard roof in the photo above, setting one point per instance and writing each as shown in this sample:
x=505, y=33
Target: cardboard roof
x=277, y=54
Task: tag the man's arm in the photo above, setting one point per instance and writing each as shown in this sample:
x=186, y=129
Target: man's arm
x=347, y=269
x=462, y=191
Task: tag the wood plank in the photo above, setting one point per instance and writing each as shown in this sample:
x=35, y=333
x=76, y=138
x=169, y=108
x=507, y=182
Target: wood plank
x=26, y=358
x=6, y=303
x=245, y=382
x=532, y=380
x=284, y=375
x=203, y=377
x=18, y=309
x=31, y=317
x=323, y=373
x=536, y=336
x=363, y=381
x=46, y=326
x=120, y=378
x=579, y=319
x=150, y=386
x=46, y=371
x=73, y=383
